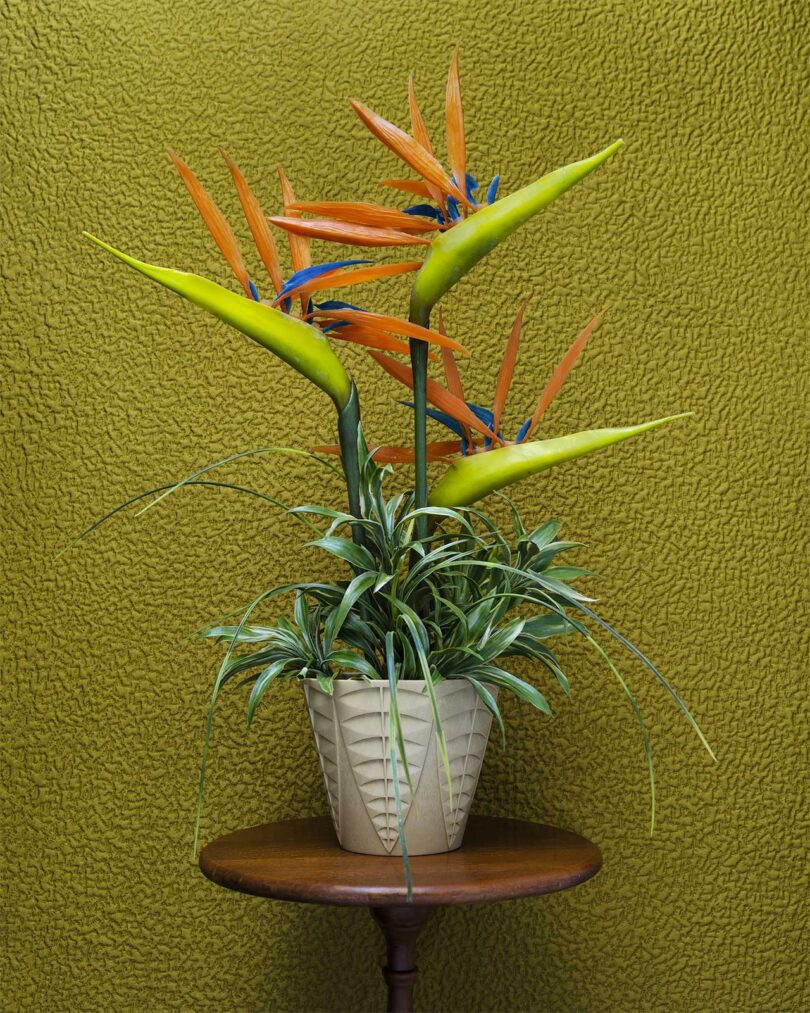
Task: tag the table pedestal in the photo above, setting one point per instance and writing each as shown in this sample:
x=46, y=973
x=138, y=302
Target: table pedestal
x=300, y=860
x=400, y=926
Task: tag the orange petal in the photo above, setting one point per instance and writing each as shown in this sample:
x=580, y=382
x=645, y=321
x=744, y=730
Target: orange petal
x=451, y=377
x=375, y=215
x=415, y=186
x=454, y=115
x=215, y=222
x=300, y=255
x=406, y=148
x=374, y=339
x=260, y=230
x=343, y=232
x=558, y=377
x=341, y=278
x=421, y=136
x=379, y=321
x=436, y=394
x=507, y=367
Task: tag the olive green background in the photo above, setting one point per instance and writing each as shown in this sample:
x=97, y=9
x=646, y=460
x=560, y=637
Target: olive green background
x=695, y=233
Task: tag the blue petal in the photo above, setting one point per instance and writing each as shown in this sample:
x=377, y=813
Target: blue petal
x=441, y=417
x=521, y=435
x=308, y=273
x=425, y=209
x=492, y=189
x=452, y=209
x=484, y=414
x=472, y=184
x=337, y=304
x=253, y=290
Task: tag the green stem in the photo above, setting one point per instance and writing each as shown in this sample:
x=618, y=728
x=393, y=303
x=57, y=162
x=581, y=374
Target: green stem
x=420, y=314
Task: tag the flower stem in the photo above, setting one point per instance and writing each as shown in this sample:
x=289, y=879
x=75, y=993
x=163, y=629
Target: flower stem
x=420, y=314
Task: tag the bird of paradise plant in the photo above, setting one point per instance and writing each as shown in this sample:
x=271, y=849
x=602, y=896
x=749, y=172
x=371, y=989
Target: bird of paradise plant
x=432, y=576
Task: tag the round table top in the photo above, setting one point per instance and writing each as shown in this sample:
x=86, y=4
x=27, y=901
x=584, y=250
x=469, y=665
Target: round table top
x=301, y=860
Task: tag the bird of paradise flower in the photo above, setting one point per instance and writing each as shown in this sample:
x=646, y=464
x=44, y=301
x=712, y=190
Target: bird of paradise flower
x=456, y=231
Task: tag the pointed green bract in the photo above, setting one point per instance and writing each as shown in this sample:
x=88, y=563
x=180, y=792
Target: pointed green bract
x=300, y=345
x=453, y=253
x=471, y=478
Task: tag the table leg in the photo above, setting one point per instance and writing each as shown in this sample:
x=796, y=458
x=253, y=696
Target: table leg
x=400, y=926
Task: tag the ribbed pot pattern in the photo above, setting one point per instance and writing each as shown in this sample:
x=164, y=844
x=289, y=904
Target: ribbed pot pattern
x=351, y=735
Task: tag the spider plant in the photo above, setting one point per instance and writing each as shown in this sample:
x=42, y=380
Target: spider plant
x=434, y=589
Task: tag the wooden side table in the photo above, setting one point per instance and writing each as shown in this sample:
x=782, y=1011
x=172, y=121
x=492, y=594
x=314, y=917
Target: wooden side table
x=300, y=860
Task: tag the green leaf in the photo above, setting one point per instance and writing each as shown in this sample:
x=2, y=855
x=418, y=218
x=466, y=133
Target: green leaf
x=163, y=489
x=649, y=665
x=361, y=583
x=544, y=534
x=260, y=687
x=644, y=733
x=189, y=479
x=356, y=555
x=352, y=661
x=420, y=645
x=543, y=627
x=396, y=741
x=521, y=689
x=566, y=573
x=491, y=704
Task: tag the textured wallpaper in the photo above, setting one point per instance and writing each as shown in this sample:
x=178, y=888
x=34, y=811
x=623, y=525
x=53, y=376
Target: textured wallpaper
x=696, y=233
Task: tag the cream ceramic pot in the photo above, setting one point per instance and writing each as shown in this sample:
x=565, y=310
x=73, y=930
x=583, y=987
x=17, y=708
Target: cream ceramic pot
x=351, y=736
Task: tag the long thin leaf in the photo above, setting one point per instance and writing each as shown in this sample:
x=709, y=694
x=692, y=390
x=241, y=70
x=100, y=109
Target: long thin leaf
x=419, y=647
x=225, y=460
x=490, y=703
x=396, y=740
x=639, y=717
x=651, y=667
x=163, y=488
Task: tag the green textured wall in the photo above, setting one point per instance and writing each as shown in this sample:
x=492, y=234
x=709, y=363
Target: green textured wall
x=695, y=233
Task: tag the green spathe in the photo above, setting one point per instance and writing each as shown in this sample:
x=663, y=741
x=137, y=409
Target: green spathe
x=300, y=345
x=471, y=478
x=453, y=253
